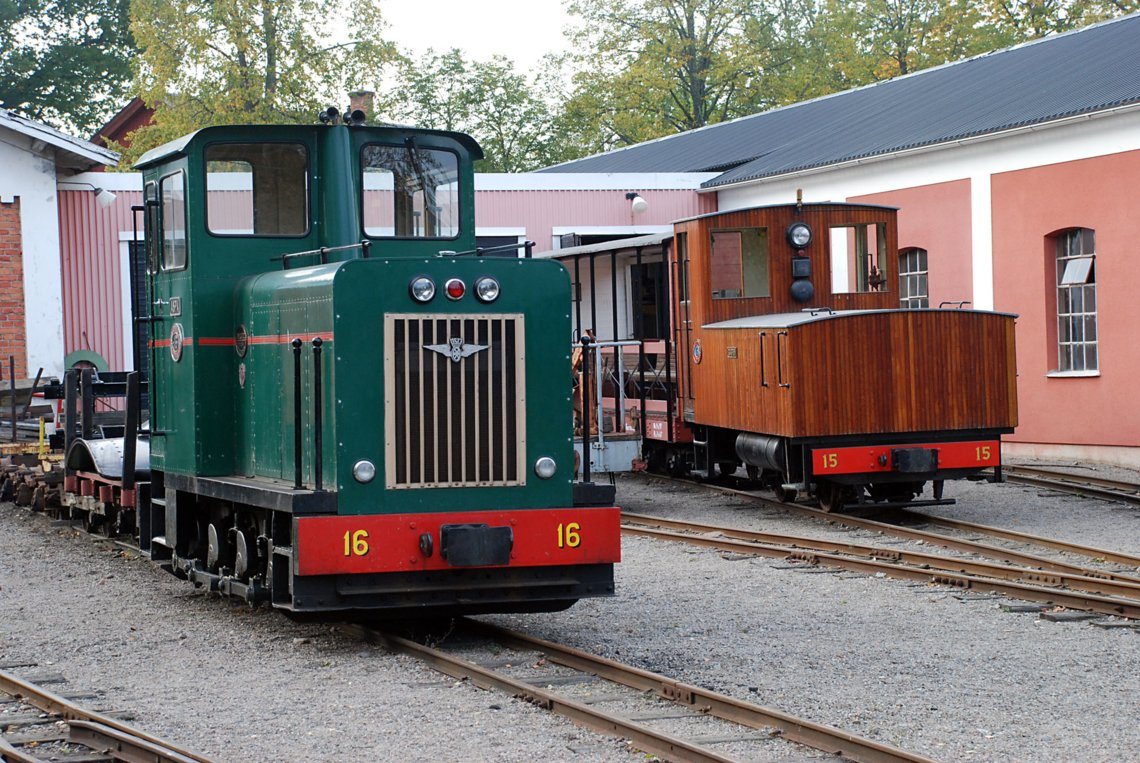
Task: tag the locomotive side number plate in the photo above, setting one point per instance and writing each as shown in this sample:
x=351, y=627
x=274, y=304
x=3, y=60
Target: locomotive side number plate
x=397, y=543
x=878, y=458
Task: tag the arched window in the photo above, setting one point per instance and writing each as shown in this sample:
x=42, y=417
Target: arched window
x=1076, y=300
x=913, y=292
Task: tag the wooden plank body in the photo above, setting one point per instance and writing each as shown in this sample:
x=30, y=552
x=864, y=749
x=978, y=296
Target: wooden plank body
x=873, y=372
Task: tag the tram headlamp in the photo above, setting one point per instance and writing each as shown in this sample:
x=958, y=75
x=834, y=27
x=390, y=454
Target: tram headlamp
x=545, y=467
x=422, y=289
x=487, y=289
x=364, y=471
x=799, y=235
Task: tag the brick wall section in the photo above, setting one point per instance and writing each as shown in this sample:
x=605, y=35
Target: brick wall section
x=13, y=336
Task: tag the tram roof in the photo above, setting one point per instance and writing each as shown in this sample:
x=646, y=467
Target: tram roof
x=616, y=245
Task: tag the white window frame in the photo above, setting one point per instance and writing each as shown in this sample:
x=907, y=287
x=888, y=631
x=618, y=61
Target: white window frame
x=919, y=298
x=1075, y=275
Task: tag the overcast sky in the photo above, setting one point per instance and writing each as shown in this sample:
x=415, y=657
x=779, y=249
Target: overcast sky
x=523, y=31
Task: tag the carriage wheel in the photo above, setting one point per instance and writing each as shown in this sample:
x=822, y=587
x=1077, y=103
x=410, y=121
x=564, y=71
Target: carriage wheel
x=831, y=496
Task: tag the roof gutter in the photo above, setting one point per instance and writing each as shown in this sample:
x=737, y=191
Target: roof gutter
x=1013, y=131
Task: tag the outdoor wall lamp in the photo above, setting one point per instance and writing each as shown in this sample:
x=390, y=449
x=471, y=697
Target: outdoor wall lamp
x=637, y=204
x=102, y=196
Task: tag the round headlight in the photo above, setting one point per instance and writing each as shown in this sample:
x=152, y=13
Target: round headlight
x=487, y=289
x=364, y=471
x=799, y=235
x=422, y=289
x=545, y=467
x=455, y=289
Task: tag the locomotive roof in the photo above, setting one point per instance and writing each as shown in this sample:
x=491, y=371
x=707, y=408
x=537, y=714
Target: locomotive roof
x=785, y=320
x=277, y=132
x=1085, y=71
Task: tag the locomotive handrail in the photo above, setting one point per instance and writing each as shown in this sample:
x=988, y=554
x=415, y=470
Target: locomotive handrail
x=481, y=250
x=961, y=303
x=323, y=251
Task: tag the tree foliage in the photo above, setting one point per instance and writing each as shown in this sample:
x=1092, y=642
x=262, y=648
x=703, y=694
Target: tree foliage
x=651, y=67
x=648, y=68
x=488, y=99
x=208, y=62
x=65, y=62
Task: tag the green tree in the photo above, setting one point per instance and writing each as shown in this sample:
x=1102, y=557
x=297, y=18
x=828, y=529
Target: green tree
x=490, y=100
x=659, y=66
x=208, y=62
x=65, y=62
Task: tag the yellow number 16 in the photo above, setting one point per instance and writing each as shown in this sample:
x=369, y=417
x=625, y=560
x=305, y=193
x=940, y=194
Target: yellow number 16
x=570, y=535
x=356, y=543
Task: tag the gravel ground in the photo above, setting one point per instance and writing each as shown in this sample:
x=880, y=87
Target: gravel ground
x=924, y=668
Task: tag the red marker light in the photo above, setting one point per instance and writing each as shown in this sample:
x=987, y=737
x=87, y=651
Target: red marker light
x=455, y=289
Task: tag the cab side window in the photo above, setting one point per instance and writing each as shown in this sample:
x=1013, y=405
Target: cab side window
x=173, y=192
x=257, y=189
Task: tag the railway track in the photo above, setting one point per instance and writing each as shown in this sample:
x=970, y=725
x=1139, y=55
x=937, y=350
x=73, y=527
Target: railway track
x=39, y=725
x=658, y=715
x=975, y=565
x=1075, y=484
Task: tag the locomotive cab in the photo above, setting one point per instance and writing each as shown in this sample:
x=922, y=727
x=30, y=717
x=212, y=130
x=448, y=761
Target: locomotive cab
x=352, y=409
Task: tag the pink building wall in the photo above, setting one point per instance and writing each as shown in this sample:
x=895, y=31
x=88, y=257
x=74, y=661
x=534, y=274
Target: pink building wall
x=935, y=218
x=542, y=211
x=91, y=258
x=1028, y=206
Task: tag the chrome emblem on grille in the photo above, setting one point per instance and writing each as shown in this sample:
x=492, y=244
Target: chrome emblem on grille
x=456, y=349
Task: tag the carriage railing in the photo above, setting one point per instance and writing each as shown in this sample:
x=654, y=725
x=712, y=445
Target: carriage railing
x=628, y=380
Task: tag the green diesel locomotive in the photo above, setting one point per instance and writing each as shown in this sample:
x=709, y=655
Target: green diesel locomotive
x=352, y=407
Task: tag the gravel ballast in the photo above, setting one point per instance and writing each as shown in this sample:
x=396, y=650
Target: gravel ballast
x=938, y=671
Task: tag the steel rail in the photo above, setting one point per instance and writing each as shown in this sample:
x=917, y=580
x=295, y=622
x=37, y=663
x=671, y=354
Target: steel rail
x=644, y=737
x=798, y=730
x=1129, y=488
x=1116, y=557
x=797, y=544
x=984, y=549
x=161, y=751
x=1106, y=605
x=1076, y=484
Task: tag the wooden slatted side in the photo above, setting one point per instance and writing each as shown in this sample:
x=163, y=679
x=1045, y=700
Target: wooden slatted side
x=902, y=371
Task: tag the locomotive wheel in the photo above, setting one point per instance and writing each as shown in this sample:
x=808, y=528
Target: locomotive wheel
x=831, y=496
x=726, y=468
x=753, y=471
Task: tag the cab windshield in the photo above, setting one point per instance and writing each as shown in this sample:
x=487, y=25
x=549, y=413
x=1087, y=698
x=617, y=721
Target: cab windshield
x=409, y=191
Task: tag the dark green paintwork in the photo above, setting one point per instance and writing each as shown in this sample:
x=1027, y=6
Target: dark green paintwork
x=214, y=426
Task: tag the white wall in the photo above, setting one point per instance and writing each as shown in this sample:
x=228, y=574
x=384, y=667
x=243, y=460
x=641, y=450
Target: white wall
x=32, y=177
x=975, y=159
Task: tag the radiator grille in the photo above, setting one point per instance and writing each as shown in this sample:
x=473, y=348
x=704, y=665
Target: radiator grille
x=455, y=406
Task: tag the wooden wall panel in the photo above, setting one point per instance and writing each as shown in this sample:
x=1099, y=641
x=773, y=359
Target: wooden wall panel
x=864, y=373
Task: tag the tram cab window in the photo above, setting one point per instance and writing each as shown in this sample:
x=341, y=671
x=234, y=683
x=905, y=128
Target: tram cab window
x=410, y=191
x=859, y=258
x=173, y=191
x=257, y=189
x=738, y=263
